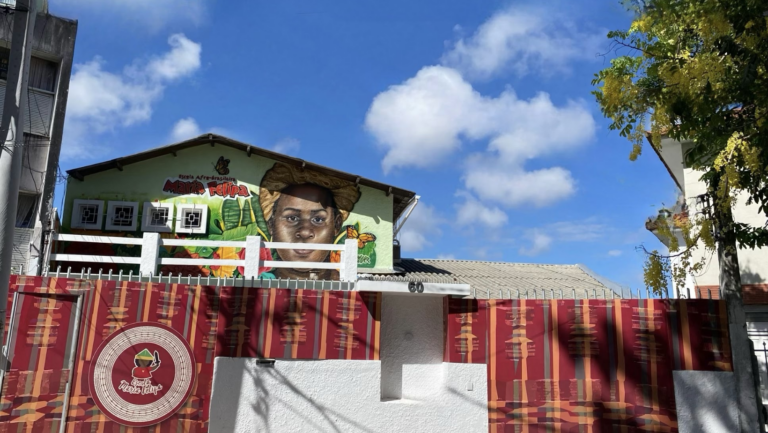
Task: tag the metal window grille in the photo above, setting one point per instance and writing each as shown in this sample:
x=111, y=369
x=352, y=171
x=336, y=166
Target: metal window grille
x=192, y=218
x=89, y=214
x=122, y=216
x=158, y=217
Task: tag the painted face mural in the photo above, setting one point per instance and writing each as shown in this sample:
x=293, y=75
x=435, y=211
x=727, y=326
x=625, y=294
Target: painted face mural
x=305, y=207
x=238, y=198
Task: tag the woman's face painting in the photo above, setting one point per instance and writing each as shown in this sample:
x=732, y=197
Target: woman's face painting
x=304, y=214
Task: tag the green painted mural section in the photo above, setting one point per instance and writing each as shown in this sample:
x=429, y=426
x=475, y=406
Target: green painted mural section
x=232, y=218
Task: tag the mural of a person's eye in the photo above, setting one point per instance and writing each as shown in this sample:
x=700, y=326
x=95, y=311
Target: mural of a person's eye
x=305, y=206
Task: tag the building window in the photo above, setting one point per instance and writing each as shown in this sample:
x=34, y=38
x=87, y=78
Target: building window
x=87, y=214
x=157, y=217
x=25, y=210
x=122, y=216
x=191, y=218
x=42, y=73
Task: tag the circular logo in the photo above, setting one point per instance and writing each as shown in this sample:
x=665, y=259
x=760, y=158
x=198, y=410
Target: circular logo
x=142, y=374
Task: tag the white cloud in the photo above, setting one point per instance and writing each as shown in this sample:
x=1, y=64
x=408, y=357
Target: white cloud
x=185, y=129
x=421, y=228
x=523, y=41
x=288, y=146
x=511, y=185
x=182, y=60
x=101, y=101
x=425, y=119
x=150, y=14
x=540, y=243
x=446, y=257
x=587, y=230
x=473, y=212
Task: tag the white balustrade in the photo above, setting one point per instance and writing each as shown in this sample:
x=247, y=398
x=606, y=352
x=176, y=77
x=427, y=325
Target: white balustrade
x=151, y=243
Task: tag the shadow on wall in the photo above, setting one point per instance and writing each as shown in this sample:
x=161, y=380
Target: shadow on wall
x=749, y=276
x=230, y=416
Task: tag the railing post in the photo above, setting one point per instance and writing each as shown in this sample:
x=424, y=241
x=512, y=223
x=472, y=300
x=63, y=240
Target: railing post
x=253, y=246
x=150, y=253
x=349, y=258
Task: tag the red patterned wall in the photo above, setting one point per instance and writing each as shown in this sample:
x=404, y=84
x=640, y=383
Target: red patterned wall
x=586, y=365
x=299, y=324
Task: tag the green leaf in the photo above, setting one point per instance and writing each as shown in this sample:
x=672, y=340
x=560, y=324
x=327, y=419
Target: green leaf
x=247, y=216
x=261, y=223
x=236, y=234
x=230, y=214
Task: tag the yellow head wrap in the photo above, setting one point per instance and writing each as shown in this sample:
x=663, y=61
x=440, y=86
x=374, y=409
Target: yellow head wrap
x=345, y=193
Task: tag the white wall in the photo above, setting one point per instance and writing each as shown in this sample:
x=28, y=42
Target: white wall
x=753, y=263
x=340, y=396
x=409, y=390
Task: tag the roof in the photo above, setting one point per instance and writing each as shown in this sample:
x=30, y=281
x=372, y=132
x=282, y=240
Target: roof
x=663, y=161
x=498, y=280
x=401, y=200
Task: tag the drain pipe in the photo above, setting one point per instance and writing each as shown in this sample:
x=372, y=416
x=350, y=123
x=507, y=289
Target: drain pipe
x=411, y=206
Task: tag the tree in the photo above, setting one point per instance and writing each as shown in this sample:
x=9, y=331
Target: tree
x=697, y=70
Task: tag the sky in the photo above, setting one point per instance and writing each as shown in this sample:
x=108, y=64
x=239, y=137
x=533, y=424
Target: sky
x=481, y=108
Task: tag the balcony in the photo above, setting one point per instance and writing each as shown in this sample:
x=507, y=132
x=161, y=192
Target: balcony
x=676, y=217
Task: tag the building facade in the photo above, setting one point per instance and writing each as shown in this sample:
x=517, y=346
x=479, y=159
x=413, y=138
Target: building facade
x=212, y=286
x=53, y=47
x=753, y=263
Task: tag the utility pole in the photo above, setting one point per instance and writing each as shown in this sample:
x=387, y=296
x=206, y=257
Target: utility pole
x=12, y=131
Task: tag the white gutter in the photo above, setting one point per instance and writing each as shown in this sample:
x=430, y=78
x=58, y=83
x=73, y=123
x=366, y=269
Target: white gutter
x=411, y=206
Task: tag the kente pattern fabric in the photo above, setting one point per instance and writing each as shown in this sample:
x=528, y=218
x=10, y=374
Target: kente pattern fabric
x=586, y=365
x=215, y=321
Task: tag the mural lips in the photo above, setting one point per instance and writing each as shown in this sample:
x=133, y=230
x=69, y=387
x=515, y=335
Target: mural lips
x=142, y=374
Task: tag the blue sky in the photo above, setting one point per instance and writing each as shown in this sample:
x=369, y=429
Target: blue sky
x=482, y=108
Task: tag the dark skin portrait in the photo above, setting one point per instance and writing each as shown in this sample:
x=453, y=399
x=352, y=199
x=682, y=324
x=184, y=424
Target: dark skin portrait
x=304, y=214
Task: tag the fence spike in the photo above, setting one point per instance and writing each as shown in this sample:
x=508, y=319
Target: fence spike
x=647, y=293
x=120, y=275
x=89, y=274
x=130, y=275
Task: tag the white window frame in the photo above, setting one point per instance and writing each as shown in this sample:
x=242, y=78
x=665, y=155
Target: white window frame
x=111, y=211
x=75, y=222
x=146, y=217
x=180, y=208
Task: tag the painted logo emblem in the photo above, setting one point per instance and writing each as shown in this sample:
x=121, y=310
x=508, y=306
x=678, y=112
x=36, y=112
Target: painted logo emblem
x=142, y=374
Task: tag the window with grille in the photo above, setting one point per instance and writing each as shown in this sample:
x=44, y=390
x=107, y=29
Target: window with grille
x=191, y=218
x=158, y=217
x=121, y=215
x=87, y=214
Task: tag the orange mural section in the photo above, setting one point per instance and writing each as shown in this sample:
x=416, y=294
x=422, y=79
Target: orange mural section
x=586, y=365
x=213, y=321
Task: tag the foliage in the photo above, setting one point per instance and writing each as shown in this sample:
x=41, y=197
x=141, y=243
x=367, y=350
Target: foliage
x=697, y=71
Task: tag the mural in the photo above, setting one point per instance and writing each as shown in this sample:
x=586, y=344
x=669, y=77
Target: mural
x=282, y=204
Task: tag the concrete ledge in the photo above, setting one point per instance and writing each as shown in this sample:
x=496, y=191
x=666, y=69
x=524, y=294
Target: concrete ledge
x=430, y=289
x=705, y=401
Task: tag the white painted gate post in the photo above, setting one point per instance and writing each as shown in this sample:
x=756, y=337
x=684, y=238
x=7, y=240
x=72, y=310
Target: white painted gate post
x=253, y=246
x=150, y=253
x=349, y=258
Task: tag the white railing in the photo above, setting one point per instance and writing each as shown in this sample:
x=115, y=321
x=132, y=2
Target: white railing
x=252, y=262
